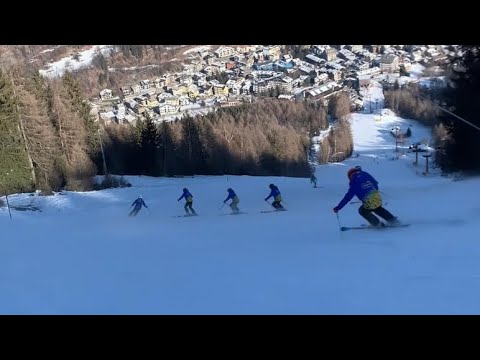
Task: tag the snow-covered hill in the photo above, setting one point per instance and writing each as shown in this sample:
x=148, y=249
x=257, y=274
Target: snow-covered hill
x=82, y=254
x=71, y=62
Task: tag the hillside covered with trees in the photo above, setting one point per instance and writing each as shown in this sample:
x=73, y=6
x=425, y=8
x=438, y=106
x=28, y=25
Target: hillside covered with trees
x=49, y=139
x=269, y=137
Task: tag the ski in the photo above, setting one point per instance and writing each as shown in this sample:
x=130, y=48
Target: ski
x=239, y=213
x=180, y=216
x=366, y=227
x=272, y=211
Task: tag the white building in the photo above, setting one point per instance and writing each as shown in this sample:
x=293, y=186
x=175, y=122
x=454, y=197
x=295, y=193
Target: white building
x=224, y=51
x=106, y=94
x=389, y=63
x=166, y=109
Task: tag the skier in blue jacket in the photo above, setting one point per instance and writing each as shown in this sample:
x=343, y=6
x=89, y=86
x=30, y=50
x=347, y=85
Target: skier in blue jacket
x=365, y=187
x=188, y=201
x=235, y=200
x=277, y=197
x=138, y=205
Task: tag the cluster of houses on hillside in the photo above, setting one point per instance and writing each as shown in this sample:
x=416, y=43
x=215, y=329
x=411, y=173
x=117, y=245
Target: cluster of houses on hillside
x=231, y=75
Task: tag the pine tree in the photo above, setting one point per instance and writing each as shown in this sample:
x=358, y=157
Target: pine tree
x=463, y=149
x=193, y=151
x=76, y=161
x=15, y=171
x=167, y=147
x=83, y=109
x=150, y=143
x=40, y=133
x=409, y=132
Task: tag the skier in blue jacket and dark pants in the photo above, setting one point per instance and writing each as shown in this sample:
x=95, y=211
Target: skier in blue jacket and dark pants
x=276, y=196
x=138, y=205
x=188, y=201
x=365, y=187
x=235, y=200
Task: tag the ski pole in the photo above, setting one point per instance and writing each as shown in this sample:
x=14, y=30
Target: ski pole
x=8, y=205
x=339, y=227
x=338, y=219
x=222, y=206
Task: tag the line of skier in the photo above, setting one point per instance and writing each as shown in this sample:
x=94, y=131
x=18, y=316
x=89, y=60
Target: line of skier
x=274, y=192
x=361, y=184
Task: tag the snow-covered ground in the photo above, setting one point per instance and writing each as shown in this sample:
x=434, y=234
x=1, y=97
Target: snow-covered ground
x=82, y=254
x=416, y=70
x=440, y=81
x=316, y=140
x=373, y=99
x=131, y=68
x=197, y=49
x=46, y=50
x=417, y=74
x=68, y=63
